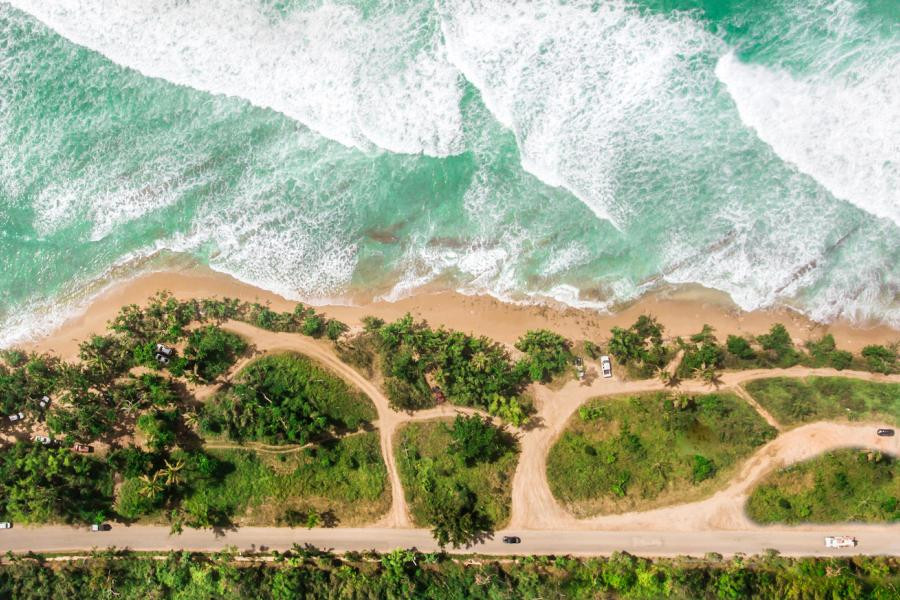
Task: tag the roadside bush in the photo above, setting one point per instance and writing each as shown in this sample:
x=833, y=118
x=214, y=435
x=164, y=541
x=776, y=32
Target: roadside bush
x=880, y=359
x=740, y=347
x=475, y=439
x=779, y=347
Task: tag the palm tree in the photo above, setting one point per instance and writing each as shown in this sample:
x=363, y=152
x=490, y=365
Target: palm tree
x=191, y=419
x=173, y=472
x=151, y=486
x=708, y=374
x=668, y=379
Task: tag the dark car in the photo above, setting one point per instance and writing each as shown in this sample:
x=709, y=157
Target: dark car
x=885, y=432
x=512, y=539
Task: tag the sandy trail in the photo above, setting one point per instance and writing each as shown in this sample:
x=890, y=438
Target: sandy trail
x=535, y=507
x=533, y=504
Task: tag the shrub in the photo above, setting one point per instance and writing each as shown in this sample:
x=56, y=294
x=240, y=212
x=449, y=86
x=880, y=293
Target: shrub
x=475, y=439
x=159, y=427
x=211, y=351
x=640, y=346
x=880, y=358
x=779, y=345
x=334, y=329
x=702, y=468
x=548, y=353
x=740, y=347
x=313, y=326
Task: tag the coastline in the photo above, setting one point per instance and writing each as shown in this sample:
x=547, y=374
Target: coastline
x=682, y=311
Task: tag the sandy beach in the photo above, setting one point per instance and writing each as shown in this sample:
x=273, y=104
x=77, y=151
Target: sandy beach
x=682, y=312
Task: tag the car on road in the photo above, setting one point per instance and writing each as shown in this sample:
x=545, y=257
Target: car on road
x=82, y=448
x=885, y=432
x=606, y=366
x=45, y=402
x=579, y=368
x=101, y=527
x=5, y=525
x=16, y=417
x=840, y=541
x=43, y=439
x=512, y=539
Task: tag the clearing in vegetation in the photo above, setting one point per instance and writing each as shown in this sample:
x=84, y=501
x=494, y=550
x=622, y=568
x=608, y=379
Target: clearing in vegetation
x=839, y=486
x=638, y=452
x=286, y=399
x=435, y=463
x=794, y=401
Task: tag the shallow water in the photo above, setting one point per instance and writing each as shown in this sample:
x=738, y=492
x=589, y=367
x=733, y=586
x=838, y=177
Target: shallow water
x=586, y=151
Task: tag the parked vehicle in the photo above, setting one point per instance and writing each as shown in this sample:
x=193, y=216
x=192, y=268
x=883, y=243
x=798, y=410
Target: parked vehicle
x=579, y=368
x=43, y=439
x=164, y=353
x=45, y=402
x=16, y=417
x=438, y=395
x=82, y=448
x=885, y=432
x=512, y=539
x=5, y=525
x=101, y=527
x=606, y=366
x=840, y=541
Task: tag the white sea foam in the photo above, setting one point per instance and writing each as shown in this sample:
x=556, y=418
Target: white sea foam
x=365, y=81
x=831, y=104
x=580, y=84
x=842, y=130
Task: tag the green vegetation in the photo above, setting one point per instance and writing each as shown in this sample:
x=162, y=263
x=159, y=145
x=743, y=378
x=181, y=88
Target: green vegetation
x=343, y=481
x=637, y=452
x=286, y=399
x=311, y=573
x=210, y=351
x=40, y=484
x=640, y=347
x=548, y=354
x=793, y=401
x=824, y=353
x=845, y=485
x=703, y=356
x=881, y=359
x=779, y=347
x=470, y=371
x=462, y=496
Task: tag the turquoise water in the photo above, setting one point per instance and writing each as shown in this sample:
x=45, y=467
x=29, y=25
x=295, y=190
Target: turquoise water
x=584, y=151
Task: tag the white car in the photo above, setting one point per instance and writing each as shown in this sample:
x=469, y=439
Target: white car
x=16, y=417
x=43, y=439
x=840, y=541
x=5, y=525
x=606, y=366
x=45, y=402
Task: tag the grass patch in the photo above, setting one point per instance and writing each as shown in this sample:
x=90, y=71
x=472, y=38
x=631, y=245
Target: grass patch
x=425, y=463
x=840, y=486
x=639, y=452
x=346, y=478
x=794, y=401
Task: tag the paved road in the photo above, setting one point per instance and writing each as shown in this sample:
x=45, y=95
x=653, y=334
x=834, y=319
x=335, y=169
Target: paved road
x=882, y=540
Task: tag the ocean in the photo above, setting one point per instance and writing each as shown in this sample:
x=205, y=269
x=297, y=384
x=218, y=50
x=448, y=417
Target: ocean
x=588, y=152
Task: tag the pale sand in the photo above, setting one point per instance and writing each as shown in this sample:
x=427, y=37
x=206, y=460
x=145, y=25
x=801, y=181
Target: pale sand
x=682, y=312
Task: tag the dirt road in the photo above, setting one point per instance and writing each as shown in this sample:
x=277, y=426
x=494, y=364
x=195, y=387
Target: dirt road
x=716, y=524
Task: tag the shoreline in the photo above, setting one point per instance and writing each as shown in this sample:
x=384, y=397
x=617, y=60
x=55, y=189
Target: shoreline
x=682, y=311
